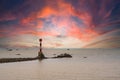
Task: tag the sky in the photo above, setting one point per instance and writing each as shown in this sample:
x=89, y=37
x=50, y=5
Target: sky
x=60, y=23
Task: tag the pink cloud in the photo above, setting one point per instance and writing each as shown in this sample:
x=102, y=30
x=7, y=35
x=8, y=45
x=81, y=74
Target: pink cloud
x=60, y=17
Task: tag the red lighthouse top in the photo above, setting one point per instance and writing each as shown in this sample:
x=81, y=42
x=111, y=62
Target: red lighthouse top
x=40, y=39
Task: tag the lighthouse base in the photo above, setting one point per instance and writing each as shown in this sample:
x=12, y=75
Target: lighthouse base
x=41, y=55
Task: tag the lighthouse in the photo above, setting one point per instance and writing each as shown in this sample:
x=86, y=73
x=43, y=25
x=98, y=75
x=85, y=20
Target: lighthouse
x=40, y=40
x=40, y=53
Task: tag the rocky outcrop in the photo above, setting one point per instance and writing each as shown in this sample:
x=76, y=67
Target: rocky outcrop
x=65, y=55
x=6, y=60
x=39, y=57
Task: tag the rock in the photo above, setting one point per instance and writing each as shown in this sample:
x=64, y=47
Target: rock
x=64, y=55
x=68, y=49
x=9, y=49
x=84, y=57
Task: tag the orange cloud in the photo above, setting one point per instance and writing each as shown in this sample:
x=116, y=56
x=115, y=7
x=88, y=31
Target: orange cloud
x=82, y=34
x=61, y=9
x=46, y=12
x=60, y=16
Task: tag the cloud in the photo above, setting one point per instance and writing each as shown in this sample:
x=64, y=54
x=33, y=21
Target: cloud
x=108, y=40
x=7, y=17
x=60, y=16
x=82, y=34
x=81, y=19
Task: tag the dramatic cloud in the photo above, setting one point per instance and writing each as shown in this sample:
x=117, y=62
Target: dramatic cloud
x=84, y=20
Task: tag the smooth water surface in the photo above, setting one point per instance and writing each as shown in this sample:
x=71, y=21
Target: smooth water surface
x=86, y=64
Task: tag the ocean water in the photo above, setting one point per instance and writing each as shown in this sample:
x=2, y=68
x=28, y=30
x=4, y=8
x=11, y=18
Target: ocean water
x=86, y=64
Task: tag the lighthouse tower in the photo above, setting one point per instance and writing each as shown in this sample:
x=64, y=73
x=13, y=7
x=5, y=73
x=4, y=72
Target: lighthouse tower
x=40, y=53
x=40, y=40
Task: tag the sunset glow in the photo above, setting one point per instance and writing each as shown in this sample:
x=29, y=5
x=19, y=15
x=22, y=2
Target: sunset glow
x=61, y=23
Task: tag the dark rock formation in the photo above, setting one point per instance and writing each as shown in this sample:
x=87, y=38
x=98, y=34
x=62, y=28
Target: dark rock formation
x=6, y=60
x=68, y=49
x=9, y=49
x=65, y=55
x=39, y=57
x=84, y=57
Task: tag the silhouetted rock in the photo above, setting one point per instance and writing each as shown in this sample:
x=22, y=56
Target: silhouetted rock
x=84, y=57
x=6, y=60
x=9, y=49
x=63, y=56
x=68, y=49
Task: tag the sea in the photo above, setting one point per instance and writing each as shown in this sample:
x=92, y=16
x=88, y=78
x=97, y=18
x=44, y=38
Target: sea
x=85, y=64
